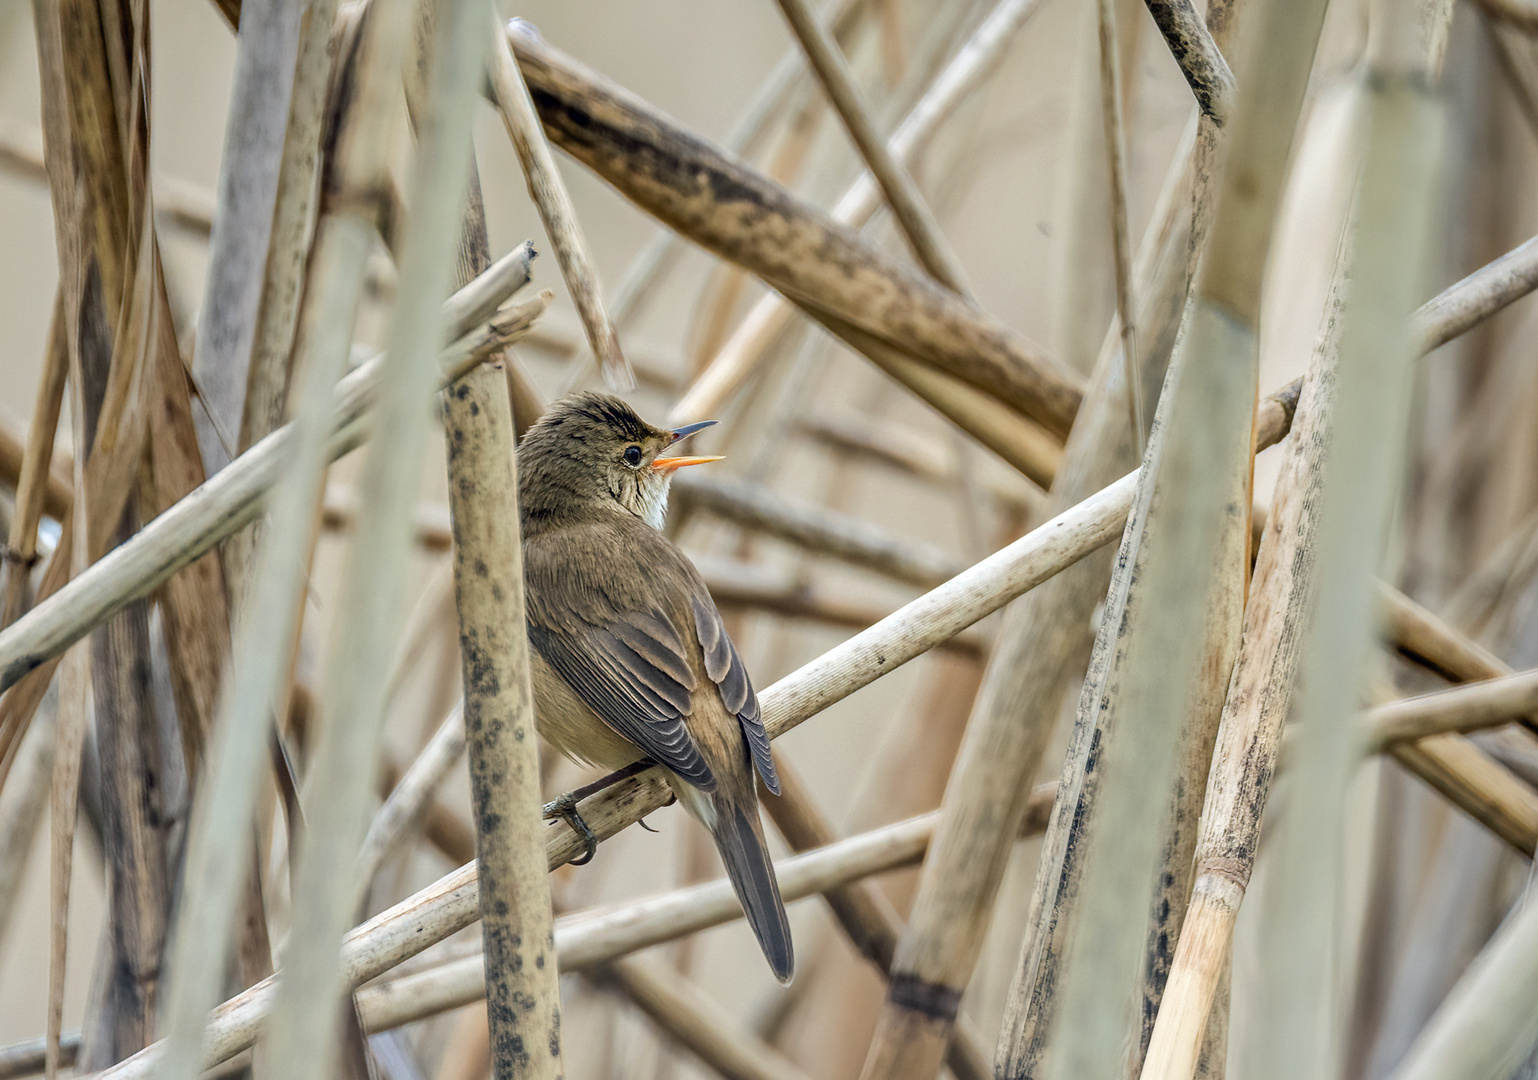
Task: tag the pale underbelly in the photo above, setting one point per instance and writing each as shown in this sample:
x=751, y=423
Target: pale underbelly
x=571, y=727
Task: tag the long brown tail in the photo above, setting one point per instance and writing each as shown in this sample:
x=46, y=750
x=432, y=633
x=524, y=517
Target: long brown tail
x=740, y=839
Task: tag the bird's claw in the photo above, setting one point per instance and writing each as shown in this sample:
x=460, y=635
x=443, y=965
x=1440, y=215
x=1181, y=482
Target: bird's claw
x=564, y=809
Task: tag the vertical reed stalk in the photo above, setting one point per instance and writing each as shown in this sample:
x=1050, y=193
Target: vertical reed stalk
x=1398, y=187
x=218, y=851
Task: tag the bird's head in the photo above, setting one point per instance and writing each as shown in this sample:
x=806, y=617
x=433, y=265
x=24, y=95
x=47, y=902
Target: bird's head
x=591, y=450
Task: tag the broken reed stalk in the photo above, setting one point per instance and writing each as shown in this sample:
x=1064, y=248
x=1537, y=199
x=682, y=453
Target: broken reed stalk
x=36, y=467
x=907, y=633
x=556, y=211
x=303, y=1036
x=267, y=48
x=908, y=207
x=1398, y=188
x=235, y=495
x=1200, y=59
x=220, y=839
x=972, y=65
x=1121, y=239
x=697, y=1022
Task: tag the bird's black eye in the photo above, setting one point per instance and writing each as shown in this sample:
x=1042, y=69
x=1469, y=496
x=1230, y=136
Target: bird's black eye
x=632, y=455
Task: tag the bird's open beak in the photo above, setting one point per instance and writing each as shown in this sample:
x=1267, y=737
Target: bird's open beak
x=684, y=432
x=667, y=464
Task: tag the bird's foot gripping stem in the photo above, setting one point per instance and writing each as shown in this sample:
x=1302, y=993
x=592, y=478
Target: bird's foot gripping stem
x=564, y=807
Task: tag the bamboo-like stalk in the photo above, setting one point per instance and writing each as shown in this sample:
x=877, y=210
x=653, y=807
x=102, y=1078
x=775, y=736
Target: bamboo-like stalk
x=1398, y=189
x=1040, y=644
x=267, y=48
x=822, y=531
x=1485, y=704
x=913, y=214
x=1200, y=59
x=1175, y=601
x=557, y=212
x=697, y=1022
x=523, y=1000
x=768, y=318
x=233, y=497
x=219, y=831
x=35, y=469
x=1102, y=838
x=1121, y=240
x=303, y=1036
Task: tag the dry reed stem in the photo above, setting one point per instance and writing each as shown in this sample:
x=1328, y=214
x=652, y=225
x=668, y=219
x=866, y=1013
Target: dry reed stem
x=825, y=532
x=592, y=939
x=912, y=213
x=1481, y=787
x=1042, y=642
x=178, y=203
x=1200, y=59
x=410, y=797
x=747, y=587
x=738, y=214
x=1398, y=188
x=57, y=485
x=35, y=473
x=232, y=498
x=1425, y=639
x=1518, y=14
x=973, y=63
x=697, y=1022
x=1121, y=240
x=303, y=1035
x=22, y=802
x=584, y=941
x=1484, y=704
x=1249, y=733
x=866, y=916
x=1097, y=855
x=277, y=315
x=219, y=830
x=556, y=212
x=267, y=48
x=650, y=265
x=523, y=999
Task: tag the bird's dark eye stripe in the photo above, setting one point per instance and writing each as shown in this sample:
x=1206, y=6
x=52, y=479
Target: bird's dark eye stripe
x=633, y=455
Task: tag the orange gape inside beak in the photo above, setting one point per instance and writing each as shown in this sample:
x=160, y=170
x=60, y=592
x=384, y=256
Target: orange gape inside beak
x=667, y=464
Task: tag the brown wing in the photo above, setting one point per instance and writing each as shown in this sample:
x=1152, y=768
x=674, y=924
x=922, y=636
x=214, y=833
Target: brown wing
x=727, y=671
x=633, y=672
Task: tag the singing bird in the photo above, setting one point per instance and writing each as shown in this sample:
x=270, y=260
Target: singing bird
x=629, y=655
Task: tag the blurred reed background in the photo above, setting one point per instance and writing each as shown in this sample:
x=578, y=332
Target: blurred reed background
x=1098, y=769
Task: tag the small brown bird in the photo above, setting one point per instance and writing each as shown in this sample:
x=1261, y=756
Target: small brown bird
x=630, y=658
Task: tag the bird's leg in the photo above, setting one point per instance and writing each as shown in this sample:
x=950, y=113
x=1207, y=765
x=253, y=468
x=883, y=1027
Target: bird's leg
x=565, y=806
